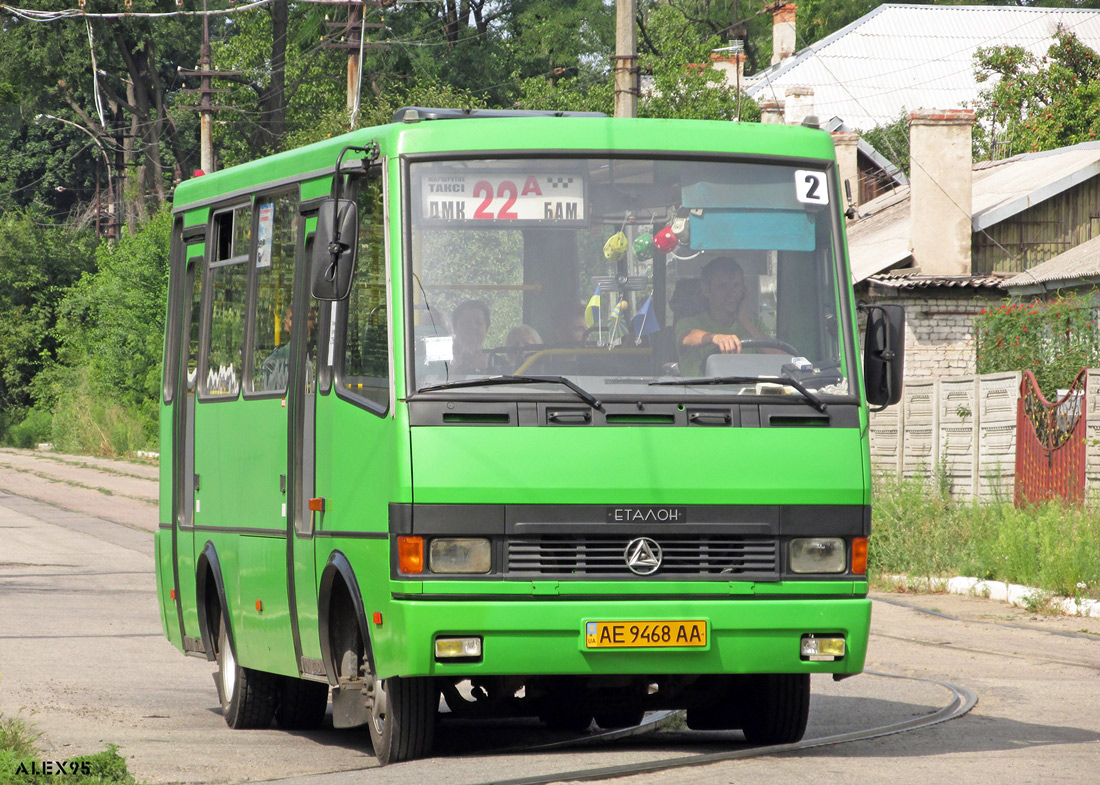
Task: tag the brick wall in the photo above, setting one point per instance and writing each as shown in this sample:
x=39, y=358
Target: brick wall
x=939, y=329
x=939, y=337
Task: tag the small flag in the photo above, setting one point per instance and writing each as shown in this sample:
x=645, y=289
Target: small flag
x=617, y=323
x=645, y=321
x=592, y=310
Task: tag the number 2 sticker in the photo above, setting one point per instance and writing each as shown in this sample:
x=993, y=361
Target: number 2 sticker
x=810, y=187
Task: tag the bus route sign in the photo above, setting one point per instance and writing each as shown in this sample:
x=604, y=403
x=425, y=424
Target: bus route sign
x=503, y=198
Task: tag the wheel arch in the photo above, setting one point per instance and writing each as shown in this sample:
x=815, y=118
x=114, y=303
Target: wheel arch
x=336, y=575
x=210, y=590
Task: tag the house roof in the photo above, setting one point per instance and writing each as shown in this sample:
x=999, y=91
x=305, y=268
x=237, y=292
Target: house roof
x=1078, y=265
x=1000, y=190
x=918, y=281
x=866, y=148
x=905, y=57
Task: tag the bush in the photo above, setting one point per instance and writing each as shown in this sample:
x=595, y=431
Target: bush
x=1053, y=339
x=36, y=427
x=918, y=530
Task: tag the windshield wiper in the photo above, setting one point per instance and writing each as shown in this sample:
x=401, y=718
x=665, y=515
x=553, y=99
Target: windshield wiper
x=787, y=381
x=485, y=381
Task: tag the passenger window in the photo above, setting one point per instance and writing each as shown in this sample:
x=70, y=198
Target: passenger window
x=365, y=369
x=276, y=234
x=192, y=319
x=229, y=284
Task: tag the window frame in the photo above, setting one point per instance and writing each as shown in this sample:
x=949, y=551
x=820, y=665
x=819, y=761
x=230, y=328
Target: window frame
x=339, y=320
x=207, y=298
x=247, y=361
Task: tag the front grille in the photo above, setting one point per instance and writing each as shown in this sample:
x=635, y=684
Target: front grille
x=581, y=556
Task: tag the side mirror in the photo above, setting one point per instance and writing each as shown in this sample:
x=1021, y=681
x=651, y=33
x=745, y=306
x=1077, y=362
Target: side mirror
x=334, y=246
x=884, y=354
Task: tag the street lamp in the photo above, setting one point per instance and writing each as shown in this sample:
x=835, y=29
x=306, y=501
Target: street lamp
x=38, y=118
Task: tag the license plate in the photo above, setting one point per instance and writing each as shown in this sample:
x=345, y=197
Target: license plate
x=645, y=634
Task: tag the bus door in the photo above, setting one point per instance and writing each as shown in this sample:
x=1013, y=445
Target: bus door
x=184, y=354
x=342, y=441
x=241, y=419
x=302, y=408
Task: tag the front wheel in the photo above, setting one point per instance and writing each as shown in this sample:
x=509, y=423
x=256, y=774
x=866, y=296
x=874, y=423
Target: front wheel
x=402, y=717
x=247, y=696
x=776, y=707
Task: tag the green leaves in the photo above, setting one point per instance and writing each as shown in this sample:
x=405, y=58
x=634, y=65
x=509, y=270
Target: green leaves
x=1053, y=339
x=1037, y=103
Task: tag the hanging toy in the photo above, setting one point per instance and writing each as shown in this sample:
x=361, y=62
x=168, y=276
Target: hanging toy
x=665, y=240
x=615, y=247
x=643, y=247
x=681, y=229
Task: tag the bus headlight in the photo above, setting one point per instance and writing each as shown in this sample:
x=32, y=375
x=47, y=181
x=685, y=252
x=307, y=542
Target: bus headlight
x=455, y=555
x=818, y=554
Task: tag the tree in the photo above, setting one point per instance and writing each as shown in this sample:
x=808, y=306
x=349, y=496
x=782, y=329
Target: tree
x=680, y=81
x=38, y=261
x=123, y=100
x=1036, y=103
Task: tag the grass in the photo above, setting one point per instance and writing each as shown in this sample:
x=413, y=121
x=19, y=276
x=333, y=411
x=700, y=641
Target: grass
x=21, y=763
x=920, y=531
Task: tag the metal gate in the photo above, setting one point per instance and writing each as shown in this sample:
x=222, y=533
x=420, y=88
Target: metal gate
x=1050, y=443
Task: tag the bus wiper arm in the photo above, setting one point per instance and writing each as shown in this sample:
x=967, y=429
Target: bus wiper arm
x=816, y=402
x=484, y=381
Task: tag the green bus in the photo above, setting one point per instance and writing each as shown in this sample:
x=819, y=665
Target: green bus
x=543, y=414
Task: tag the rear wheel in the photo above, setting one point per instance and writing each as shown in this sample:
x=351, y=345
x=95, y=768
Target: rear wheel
x=776, y=707
x=302, y=704
x=248, y=696
x=402, y=717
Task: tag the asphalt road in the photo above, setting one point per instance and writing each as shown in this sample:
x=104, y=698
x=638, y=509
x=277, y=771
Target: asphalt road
x=83, y=658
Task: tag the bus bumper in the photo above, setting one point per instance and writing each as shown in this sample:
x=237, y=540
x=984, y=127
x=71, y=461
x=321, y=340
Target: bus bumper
x=527, y=637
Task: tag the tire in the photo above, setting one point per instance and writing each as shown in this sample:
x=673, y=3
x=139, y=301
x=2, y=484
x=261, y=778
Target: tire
x=402, y=717
x=776, y=707
x=247, y=696
x=624, y=718
x=302, y=704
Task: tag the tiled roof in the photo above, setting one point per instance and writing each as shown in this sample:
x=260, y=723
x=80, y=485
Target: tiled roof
x=907, y=57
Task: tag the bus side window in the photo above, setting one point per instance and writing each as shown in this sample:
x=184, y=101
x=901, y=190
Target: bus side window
x=366, y=358
x=229, y=284
x=277, y=232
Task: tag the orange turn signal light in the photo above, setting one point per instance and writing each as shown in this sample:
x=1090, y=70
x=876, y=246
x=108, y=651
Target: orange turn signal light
x=410, y=555
x=859, y=555
x=317, y=504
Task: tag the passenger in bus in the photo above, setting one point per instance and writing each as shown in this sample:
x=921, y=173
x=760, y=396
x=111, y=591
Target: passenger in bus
x=723, y=325
x=471, y=322
x=275, y=368
x=519, y=337
x=567, y=325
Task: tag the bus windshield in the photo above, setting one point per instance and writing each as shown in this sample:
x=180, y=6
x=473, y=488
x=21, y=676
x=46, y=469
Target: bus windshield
x=626, y=276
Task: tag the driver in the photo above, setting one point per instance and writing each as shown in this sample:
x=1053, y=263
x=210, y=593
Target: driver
x=722, y=325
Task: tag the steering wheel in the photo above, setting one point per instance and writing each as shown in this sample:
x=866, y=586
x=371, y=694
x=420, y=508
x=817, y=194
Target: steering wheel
x=751, y=344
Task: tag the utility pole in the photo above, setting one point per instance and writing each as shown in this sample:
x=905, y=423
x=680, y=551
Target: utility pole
x=626, y=59
x=206, y=107
x=206, y=116
x=352, y=40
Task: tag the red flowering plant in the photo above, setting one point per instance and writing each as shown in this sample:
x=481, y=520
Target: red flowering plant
x=1054, y=339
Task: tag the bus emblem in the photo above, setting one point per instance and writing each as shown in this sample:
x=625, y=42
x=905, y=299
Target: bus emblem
x=643, y=556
